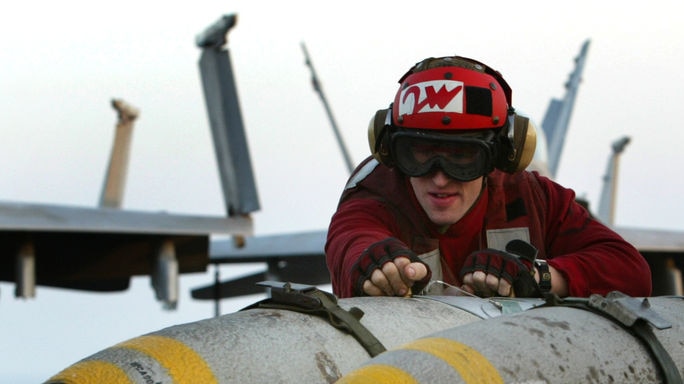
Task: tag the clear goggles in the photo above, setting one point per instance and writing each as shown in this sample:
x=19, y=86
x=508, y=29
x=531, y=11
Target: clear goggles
x=459, y=156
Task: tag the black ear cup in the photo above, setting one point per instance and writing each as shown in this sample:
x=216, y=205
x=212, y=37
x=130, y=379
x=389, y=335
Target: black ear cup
x=378, y=135
x=517, y=153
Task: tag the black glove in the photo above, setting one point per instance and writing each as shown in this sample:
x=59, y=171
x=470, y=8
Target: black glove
x=381, y=252
x=515, y=265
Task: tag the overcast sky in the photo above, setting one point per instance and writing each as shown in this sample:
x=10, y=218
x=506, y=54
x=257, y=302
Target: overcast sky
x=64, y=61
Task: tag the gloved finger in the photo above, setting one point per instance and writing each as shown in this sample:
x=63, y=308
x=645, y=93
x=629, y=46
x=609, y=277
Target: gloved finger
x=371, y=289
x=379, y=279
x=410, y=271
x=415, y=272
x=505, y=289
x=467, y=283
x=492, y=284
x=394, y=276
x=401, y=263
x=478, y=283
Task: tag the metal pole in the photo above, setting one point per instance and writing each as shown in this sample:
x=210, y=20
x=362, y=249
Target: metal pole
x=317, y=87
x=217, y=288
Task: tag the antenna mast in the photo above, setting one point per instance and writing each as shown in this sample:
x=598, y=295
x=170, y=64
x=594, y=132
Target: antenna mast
x=317, y=87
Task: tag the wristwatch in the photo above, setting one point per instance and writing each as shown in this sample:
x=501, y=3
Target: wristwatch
x=544, y=275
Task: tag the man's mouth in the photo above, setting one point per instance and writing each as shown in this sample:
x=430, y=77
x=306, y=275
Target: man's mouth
x=442, y=195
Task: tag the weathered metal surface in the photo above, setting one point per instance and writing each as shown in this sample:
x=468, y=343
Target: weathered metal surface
x=263, y=345
x=427, y=340
x=544, y=345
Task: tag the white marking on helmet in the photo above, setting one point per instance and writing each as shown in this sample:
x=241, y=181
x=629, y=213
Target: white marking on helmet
x=432, y=96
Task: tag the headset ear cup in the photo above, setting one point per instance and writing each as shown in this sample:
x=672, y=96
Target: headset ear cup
x=522, y=147
x=525, y=142
x=378, y=136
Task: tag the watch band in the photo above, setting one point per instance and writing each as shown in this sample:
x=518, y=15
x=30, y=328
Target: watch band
x=544, y=275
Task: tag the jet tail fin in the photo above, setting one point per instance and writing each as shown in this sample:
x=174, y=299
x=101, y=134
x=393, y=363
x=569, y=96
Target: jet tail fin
x=225, y=119
x=557, y=117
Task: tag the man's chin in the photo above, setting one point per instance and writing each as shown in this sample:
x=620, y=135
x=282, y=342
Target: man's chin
x=443, y=220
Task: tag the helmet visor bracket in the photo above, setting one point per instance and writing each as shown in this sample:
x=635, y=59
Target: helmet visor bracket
x=459, y=156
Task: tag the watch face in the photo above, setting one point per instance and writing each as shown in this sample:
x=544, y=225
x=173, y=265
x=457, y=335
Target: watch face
x=544, y=275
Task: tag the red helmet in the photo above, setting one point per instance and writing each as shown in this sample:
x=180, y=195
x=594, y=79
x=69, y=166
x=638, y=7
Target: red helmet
x=451, y=93
x=442, y=96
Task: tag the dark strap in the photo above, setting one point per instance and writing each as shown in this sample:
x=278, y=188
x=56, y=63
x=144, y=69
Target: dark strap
x=310, y=300
x=644, y=332
x=635, y=316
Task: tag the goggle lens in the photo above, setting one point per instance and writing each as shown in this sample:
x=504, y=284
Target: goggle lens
x=461, y=158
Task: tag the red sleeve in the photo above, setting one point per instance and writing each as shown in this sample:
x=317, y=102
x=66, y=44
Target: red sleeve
x=592, y=257
x=357, y=224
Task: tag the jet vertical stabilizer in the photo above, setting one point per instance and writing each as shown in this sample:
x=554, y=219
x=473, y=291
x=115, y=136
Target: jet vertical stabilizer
x=225, y=118
x=557, y=118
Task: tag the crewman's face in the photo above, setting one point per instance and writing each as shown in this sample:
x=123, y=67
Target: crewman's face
x=444, y=199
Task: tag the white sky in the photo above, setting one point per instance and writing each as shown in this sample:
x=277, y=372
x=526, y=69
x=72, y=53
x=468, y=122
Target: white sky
x=62, y=63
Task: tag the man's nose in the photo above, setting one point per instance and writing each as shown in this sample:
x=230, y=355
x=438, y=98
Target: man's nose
x=440, y=178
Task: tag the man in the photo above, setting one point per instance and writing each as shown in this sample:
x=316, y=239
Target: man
x=445, y=197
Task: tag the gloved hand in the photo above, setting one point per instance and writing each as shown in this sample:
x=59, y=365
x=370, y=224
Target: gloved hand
x=389, y=267
x=515, y=267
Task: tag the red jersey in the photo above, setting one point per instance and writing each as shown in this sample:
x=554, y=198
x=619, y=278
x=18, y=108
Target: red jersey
x=378, y=202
